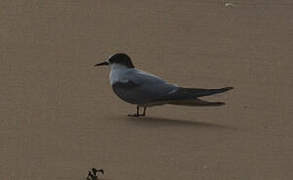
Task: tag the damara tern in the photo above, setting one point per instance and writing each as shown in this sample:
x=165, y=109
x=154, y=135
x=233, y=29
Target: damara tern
x=145, y=90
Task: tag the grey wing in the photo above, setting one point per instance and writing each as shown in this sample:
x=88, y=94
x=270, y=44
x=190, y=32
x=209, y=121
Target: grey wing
x=144, y=88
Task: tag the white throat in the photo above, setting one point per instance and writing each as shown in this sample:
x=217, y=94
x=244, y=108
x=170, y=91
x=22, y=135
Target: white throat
x=116, y=66
x=117, y=73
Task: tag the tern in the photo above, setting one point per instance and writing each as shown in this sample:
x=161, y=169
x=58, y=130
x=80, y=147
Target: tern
x=145, y=90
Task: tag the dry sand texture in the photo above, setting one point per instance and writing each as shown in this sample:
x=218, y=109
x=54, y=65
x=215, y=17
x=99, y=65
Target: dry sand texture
x=59, y=116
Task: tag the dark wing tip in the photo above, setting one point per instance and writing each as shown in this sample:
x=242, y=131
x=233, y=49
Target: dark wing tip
x=228, y=88
x=217, y=104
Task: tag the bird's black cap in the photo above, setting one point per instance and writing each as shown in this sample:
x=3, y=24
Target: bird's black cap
x=121, y=58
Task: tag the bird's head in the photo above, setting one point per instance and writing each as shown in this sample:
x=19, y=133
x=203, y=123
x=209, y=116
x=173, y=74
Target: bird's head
x=119, y=59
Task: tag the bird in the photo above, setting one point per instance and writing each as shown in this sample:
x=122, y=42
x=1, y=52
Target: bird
x=145, y=90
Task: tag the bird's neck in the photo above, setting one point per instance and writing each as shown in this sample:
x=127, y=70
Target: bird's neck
x=117, y=73
x=118, y=67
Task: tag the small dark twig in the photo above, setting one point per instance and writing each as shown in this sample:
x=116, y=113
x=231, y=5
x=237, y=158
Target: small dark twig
x=90, y=176
x=95, y=171
x=94, y=176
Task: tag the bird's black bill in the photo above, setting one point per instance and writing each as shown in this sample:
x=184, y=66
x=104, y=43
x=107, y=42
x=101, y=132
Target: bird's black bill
x=102, y=64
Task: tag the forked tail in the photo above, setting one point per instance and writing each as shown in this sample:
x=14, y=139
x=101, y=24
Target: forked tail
x=195, y=102
x=190, y=97
x=195, y=92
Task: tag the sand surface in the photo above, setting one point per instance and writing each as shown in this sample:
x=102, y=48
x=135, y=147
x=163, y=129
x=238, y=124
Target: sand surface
x=59, y=116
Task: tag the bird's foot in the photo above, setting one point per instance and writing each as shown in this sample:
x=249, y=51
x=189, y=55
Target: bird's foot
x=134, y=115
x=137, y=114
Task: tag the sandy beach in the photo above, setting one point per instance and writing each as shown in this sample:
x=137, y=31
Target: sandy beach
x=60, y=117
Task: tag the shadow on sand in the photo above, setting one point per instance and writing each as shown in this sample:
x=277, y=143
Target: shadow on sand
x=159, y=122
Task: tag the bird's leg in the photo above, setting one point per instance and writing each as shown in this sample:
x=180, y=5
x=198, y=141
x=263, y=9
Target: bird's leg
x=144, y=110
x=137, y=113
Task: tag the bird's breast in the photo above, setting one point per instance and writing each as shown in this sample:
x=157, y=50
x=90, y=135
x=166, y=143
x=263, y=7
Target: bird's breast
x=126, y=92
